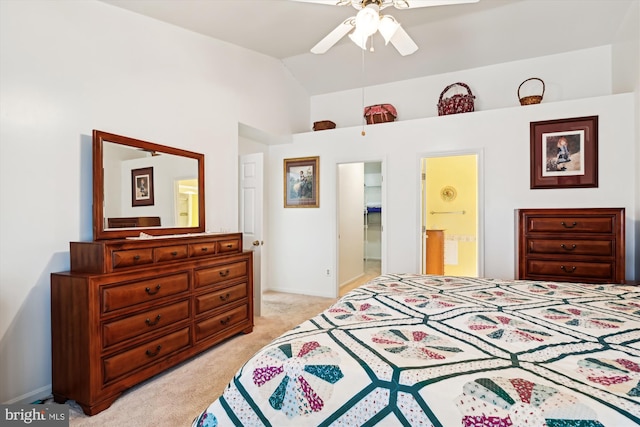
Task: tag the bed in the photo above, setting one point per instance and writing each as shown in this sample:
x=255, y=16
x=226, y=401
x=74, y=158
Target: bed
x=419, y=350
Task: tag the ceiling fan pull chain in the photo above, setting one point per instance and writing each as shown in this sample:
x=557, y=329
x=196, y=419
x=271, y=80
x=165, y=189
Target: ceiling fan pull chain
x=363, y=133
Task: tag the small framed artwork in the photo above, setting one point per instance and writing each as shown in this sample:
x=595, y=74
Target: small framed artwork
x=564, y=153
x=142, y=187
x=302, y=182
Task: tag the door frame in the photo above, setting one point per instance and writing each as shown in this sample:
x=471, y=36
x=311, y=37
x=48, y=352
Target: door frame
x=480, y=180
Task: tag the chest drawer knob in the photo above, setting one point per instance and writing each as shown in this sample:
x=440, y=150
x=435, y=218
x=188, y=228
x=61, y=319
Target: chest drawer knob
x=153, y=353
x=152, y=322
x=225, y=320
x=565, y=225
x=224, y=297
x=567, y=270
x=224, y=273
x=154, y=291
x=563, y=246
x=174, y=253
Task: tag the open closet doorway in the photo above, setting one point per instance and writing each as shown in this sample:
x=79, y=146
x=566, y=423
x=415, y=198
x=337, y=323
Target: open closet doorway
x=450, y=215
x=359, y=224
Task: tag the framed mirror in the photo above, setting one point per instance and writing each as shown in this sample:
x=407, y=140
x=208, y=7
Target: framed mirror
x=140, y=186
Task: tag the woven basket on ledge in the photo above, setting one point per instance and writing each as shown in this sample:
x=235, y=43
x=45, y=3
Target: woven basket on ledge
x=531, y=99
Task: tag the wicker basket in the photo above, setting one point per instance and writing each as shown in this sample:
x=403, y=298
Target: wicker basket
x=531, y=99
x=380, y=113
x=323, y=125
x=458, y=103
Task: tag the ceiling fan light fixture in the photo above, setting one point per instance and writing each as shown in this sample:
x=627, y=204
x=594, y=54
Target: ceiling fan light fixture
x=368, y=19
x=359, y=39
x=388, y=27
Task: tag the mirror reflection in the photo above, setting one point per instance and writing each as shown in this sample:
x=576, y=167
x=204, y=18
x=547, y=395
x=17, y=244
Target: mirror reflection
x=172, y=186
x=142, y=186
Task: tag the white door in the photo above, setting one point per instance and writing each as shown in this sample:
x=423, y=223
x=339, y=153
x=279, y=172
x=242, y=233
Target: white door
x=251, y=218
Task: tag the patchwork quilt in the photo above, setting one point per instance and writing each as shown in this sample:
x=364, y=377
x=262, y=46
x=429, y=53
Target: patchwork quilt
x=417, y=350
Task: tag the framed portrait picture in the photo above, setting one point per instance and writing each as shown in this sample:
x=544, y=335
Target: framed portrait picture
x=142, y=187
x=564, y=153
x=302, y=182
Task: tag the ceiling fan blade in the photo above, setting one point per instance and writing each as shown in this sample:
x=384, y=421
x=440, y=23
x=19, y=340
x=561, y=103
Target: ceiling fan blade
x=410, y=4
x=334, y=36
x=403, y=43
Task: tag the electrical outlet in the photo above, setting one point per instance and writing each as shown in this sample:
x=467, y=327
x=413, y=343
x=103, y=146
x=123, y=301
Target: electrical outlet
x=327, y=272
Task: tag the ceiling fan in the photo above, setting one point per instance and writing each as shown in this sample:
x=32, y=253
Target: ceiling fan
x=368, y=21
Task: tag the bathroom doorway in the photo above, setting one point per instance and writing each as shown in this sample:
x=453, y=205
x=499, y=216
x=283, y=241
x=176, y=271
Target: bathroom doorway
x=450, y=215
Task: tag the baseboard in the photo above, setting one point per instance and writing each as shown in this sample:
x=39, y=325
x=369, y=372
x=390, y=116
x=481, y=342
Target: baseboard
x=31, y=396
x=346, y=282
x=297, y=291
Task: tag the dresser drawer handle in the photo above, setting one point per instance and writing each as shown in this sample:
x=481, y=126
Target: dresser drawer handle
x=229, y=245
x=174, y=253
x=562, y=245
x=225, y=321
x=152, y=322
x=564, y=224
x=150, y=292
x=205, y=249
x=224, y=297
x=136, y=257
x=224, y=273
x=154, y=353
x=563, y=268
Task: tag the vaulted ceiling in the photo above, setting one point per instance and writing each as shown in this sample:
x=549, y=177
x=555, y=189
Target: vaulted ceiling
x=450, y=38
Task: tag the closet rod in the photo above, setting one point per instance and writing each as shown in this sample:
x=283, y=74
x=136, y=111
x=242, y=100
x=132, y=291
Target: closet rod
x=449, y=212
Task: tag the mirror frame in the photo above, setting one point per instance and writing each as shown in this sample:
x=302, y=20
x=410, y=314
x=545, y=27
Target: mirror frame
x=99, y=231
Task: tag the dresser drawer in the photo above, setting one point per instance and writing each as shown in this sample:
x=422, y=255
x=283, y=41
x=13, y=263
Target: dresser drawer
x=570, y=247
x=209, y=276
x=217, y=299
x=128, y=258
x=202, y=249
x=569, y=269
x=144, y=354
x=225, y=246
x=570, y=224
x=170, y=253
x=148, y=321
x=125, y=295
x=219, y=323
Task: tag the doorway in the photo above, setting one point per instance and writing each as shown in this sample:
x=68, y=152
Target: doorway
x=360, y=222
x=450, y=211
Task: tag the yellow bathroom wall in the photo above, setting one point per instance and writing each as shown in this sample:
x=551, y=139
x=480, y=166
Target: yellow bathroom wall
x=457, y=176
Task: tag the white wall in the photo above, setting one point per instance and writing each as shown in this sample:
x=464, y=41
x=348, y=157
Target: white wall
x=68, y=67
x=626, y=78
x=501, y=135
x=493, y=86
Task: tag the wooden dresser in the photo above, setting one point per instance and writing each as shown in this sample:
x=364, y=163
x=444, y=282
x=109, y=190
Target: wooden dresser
x=571, y=245
x=129, y=309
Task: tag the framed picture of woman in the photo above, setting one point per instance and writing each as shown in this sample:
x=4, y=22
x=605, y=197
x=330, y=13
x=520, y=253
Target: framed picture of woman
x=564, y=153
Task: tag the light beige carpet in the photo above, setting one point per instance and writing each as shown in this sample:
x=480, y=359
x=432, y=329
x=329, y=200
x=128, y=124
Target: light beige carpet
x=175, y=397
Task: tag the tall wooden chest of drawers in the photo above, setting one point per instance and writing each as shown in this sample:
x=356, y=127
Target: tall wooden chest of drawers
x=572, y=245
x=129, y=309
